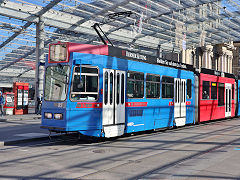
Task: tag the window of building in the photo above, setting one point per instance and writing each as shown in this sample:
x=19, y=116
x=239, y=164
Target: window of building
x=84, y=83
x=189, y=88
x=205, y=91
x=152, y=86
x=135, y=84
x=192, y=57
x=220, y=94
x=213, y=90
x=167, y=87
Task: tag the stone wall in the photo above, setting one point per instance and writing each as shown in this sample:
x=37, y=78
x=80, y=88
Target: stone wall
x=218, y=57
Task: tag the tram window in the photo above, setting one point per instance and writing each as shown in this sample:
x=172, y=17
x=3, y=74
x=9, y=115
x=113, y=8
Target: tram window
x=213, y=90
x=176, y=90
x=77, y=69
x=106, y=88
x=185, y=91
x=152, y=86
x=189, y=88
x=78, y=84
x=56, y=83
x=220, y=94
x=233, y=91
x=118, y=88
x=239, y=93
x=122, y=88
x=89, y=70
x=167, y=87
x=135, y=84
x=205, y=91
x=181, y=91
x=111, y=88
x=86, y=87
x=91, y=83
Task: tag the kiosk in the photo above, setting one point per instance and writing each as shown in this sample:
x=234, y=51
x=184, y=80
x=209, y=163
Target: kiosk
x=20, y=91
x=9, y=103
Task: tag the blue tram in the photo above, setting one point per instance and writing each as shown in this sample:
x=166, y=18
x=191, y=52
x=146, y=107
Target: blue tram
x=105, y=91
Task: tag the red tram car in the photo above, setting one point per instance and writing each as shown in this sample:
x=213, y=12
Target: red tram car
x=216, y=95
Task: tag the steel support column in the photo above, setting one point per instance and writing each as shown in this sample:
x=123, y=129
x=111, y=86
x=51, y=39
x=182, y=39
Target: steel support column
x=39, y=73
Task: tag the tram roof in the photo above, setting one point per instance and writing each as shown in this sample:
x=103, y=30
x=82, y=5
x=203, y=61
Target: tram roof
x=138, y=25
x=121, y=53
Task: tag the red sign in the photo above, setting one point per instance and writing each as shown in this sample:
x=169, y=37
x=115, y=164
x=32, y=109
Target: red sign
x=89, y=105
x=136, y=104
x=188, y=102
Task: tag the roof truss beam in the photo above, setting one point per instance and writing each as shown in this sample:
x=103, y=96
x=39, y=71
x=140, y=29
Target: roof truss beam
x=35, y=16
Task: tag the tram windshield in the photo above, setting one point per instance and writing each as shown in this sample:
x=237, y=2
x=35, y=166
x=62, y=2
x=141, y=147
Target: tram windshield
x=84, y=83
x=56, y=83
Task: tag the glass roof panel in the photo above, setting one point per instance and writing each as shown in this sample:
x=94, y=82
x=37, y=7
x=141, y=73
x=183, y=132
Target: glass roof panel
x=129, y=24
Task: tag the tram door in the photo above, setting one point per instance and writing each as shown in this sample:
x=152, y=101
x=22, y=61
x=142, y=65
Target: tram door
x=228, y=99
x=113, y=119
x=180, y=101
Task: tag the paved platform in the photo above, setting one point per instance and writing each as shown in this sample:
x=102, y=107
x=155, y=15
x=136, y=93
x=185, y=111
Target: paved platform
x=206, y=151
x=17, y=128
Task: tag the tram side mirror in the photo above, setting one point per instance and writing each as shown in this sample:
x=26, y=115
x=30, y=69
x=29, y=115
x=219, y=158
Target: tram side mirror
x=80, y=85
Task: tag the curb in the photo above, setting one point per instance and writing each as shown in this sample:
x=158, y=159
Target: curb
x=18, y=141
x=20, y=119
x=12, y=142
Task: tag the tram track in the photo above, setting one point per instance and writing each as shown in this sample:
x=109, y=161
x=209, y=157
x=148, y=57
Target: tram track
x=165, y=167
x=98, y=141
x=184, y=160
x=171, y=164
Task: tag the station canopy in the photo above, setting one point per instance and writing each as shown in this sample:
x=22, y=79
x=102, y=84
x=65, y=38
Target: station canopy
x=139, y=25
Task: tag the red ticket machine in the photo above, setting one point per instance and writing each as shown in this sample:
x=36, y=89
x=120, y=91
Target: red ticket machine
x=9, y=103
x=20, y=91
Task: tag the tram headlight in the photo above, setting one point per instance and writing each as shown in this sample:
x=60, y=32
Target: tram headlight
x=58, y=116
x=48, y=115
